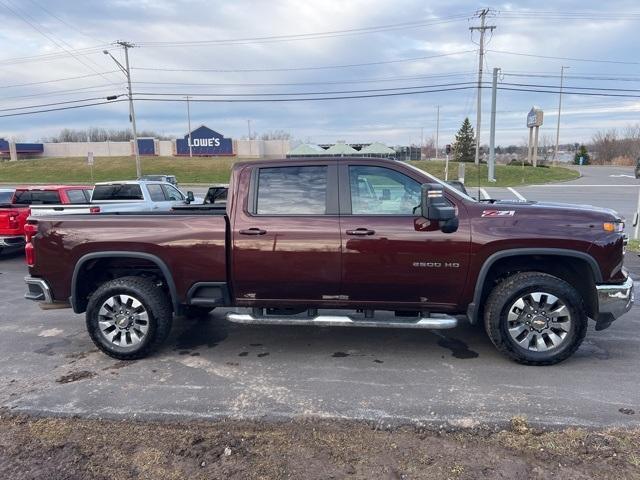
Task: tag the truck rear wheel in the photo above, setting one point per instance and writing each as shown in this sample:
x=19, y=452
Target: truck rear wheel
x=129, y=317
x=535, y=318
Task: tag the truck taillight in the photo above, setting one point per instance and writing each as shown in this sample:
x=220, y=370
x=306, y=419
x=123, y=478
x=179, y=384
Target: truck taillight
x=13, y=220
x=94, y=209
x=30, y=230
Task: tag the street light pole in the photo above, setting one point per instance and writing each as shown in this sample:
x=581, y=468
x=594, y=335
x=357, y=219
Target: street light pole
x=132, y=114
x=189, y=126
x=555, y=153
x=437, y=128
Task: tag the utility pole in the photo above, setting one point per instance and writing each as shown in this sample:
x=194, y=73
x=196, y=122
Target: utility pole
x=132, y=114
x=482, y=14
x=492, y=133
x=189, y=125
x=421, y=141
x=437, y=128
x=555, y=153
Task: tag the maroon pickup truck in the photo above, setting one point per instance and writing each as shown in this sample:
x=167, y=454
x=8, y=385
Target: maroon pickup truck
x=344, y=242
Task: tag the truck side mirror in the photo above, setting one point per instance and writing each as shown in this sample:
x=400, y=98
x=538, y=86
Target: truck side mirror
x=436, y=208
x=190, y=197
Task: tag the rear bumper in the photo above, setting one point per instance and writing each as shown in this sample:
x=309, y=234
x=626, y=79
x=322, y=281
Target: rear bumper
x=12, y=241
x=38, y=290
x=613, y=301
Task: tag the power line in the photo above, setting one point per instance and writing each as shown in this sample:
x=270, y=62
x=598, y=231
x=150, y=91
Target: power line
x=279, y=84
x=99, y=74
x=53, y=55
x=26, y=18
x=61, y=108
x=333, y=92
x=309, y=36
x=572, y=59
x=64, y=22
x=55, y=103
x=292, y=69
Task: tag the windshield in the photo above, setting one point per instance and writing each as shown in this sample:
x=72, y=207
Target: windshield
x=448, y=187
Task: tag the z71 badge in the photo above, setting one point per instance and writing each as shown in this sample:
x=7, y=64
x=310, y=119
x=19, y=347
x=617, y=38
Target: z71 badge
x=498, y=213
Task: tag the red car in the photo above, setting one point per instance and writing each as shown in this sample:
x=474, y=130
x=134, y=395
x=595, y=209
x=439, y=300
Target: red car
x=14, y=213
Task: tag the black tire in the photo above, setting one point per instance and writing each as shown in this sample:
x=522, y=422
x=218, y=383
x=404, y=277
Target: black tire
x=509, y=291
x=195, y=311
x=156, y=304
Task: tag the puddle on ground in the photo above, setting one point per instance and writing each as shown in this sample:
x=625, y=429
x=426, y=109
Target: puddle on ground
x=458, y=348
x=199, y=335
x=340, y=355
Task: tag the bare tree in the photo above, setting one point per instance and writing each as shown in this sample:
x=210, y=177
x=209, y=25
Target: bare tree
x=429, y=148
x=276, y=135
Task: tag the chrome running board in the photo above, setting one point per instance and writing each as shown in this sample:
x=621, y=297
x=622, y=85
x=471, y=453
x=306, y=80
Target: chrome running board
x=433, y=322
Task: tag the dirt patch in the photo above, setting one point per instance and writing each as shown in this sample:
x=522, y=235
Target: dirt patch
x=91, y=449
x=75, y=376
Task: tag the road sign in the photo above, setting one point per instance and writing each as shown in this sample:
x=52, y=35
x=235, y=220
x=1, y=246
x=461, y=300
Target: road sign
x=90, y=159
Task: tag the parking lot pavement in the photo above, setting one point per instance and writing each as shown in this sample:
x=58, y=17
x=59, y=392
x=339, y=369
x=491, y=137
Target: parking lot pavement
x=211, y=369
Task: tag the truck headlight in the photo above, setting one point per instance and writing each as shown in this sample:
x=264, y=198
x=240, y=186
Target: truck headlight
x=613, y=227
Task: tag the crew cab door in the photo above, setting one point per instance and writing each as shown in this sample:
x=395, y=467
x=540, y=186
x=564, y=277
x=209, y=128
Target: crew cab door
x=392, y=255
x=286, y=234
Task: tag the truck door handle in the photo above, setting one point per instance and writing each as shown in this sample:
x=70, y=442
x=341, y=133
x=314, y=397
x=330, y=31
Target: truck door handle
x=253, y=231
x=361, y=232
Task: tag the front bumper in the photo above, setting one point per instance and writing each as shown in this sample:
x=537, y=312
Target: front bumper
x=12, y=241
x=38, y=290
x=613, y=301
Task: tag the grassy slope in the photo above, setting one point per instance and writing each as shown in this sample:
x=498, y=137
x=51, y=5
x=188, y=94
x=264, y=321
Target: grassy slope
x=215, y=170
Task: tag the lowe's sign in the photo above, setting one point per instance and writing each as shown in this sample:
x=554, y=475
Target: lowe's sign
x=204, y=142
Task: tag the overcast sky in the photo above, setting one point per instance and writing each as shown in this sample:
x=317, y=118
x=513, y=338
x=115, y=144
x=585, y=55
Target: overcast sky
x=66, y=39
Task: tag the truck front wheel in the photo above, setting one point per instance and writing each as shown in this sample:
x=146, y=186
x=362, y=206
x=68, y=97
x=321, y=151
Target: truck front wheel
x=535, y=318
x=129, y=317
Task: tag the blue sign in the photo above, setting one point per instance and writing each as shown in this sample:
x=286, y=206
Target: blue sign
x=146, y=146
x=204, y=142
x=21, y=147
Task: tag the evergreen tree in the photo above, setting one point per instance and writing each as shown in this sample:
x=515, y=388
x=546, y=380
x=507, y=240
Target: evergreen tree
x=582, y=152
x=464, y=146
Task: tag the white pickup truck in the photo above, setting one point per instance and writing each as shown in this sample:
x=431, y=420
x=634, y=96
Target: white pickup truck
x=124, y=196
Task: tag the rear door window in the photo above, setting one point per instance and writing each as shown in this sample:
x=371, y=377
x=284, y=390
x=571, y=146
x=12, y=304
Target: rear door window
x=156, y=193
x=76, y=196
x=125, y=191
x=292, y=191
x=5, y=197
x=37, y=197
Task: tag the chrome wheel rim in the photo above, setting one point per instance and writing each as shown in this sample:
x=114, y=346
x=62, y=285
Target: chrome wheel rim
x=123, y=321
x=539, y=321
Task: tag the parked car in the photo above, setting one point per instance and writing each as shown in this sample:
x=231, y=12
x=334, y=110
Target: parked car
x=297, y=237
x=124, y=196
x=637, y=171
x=15, y=210
x=160, y=178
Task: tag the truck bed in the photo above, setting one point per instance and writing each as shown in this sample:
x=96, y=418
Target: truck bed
x=192, y=247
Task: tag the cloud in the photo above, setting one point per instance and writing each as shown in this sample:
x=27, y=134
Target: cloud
x=40, y=27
